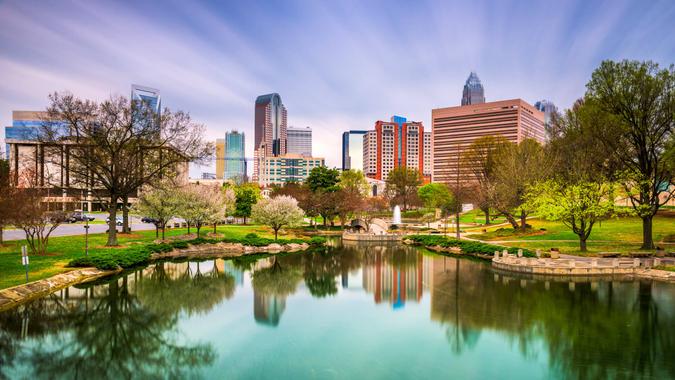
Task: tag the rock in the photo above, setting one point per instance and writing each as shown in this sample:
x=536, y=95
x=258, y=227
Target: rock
x=274, y=247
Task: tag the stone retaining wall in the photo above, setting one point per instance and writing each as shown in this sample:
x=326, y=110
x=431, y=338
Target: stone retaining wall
x=20, y=294
x=370, y=237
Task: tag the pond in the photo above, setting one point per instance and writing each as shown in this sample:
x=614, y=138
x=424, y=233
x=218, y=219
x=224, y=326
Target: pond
x=345, y=312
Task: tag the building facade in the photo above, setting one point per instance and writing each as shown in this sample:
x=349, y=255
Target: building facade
x=299, y=141
x=270, y=130
x=235, y=160
x=455, y=128
x=352, y=150
x=427, y=154
x=147, y=95
x=473, y=92
x=220, y=158
x=279, y=170
x=393, y=144
x=549, y=109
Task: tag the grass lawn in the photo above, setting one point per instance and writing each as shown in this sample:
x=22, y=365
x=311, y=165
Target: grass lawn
x=615, y=235
x=476, y=216
x=63, y=249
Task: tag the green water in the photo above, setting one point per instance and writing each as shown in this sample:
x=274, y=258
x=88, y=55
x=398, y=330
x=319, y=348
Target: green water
x=352, y=312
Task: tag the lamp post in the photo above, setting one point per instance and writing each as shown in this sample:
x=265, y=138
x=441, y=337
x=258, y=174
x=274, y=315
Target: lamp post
x=86, y=236
x=24, y=260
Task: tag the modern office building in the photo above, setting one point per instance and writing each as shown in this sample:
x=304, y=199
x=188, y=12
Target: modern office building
x=270, y=127
x=473, y=92
x=235, y=161
x=299, y=141
x=393, y=144
x=352, y=150
x=455, y=128
x=427, y=154
x=48, y=169
x=220, y=158
x=549, y=109
x=278, y=170
x=149, y=96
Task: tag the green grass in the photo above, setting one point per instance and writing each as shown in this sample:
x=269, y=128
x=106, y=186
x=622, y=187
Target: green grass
x=614, y=235
x=64, y=249
x=669, y=268
x=476, y=216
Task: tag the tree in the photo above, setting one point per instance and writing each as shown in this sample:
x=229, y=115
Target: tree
x=322, y=178
x=480, y=159
x=354, y=182
x=369, y=208
x=119, y=145
x=638, y=99
x=201, y=205
x=577, y=205
x=517, y=166
x=402, y=184
x=434, y=195
x=161, y=204
x=35, y=218
x=246, y=195
x=277, y=212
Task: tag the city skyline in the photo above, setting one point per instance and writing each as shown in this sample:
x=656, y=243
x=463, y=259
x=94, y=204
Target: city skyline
x=552, y=59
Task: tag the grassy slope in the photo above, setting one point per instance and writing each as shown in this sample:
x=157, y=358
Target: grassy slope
x=63, y=249
x=621, y=235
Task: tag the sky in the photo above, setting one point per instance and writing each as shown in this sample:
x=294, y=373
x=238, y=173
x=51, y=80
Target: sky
x=338, y=65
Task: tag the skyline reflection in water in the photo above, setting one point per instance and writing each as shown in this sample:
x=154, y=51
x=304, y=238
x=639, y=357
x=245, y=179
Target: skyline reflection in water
x=353, y=310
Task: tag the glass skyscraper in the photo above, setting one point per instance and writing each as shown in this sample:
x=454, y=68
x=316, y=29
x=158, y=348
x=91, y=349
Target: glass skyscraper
x=352, y=150
x=473, y=91
x=235, y=162
x=549, y=109
x=149, y=96
x=299, y=141
x=269, y=129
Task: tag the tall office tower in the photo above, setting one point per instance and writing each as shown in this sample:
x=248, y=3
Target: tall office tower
x=455, y=128
x=427, y=154
x=149, y=96
x=549, y=109
x=352, y=150
x=270, y=129
x=220, y=158
x=473, y=91
x=391, y=145
x=300, y=141
x=235, y=162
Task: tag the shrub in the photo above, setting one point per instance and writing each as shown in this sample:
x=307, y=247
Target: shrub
x=251, y=235
x=180, y=244
x=317, y=240
x=467, y=246
x=126, y=258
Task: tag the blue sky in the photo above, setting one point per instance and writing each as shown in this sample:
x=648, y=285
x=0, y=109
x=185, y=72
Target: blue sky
x=338, y=65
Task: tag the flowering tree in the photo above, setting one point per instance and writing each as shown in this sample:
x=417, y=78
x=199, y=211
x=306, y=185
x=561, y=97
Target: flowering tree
x=160, y=204
x=201, y=205
x=277, y=212
x=577, y=205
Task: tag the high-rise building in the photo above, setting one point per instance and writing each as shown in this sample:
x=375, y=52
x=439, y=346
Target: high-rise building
x=455, y=128
x=427, y=154
x=549, y=109
x=270, y=129
x=393, y=144
x=235, y=161
x=473, y=91
x=352, y=150
x=299, y=141
x=279, y=170
x=149, y=96
x=220, y=158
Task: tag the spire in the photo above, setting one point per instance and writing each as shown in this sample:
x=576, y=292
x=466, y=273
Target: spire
x=473, y=90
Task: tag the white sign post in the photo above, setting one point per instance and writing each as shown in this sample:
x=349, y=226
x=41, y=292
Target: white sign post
x=24, y=259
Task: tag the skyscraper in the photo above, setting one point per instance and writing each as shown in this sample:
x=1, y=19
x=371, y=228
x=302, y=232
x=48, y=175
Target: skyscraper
x=549, y=109
x=473, y=91
x=393, y=144
x=220, y=158
x=352, y=150
x=235, y=163
x=149, y=96
x=270, y=129
x=300, y=141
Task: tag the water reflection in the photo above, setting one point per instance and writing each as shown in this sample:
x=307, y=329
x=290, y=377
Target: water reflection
x=129, y=326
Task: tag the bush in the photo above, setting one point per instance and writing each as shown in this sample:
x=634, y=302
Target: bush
x=251, y=235
x=467, y=246
x=127, y=258
x=180, y=244
x=317, y=240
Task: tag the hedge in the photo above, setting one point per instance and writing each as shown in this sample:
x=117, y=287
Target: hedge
x=140, y=255
x=467, y=246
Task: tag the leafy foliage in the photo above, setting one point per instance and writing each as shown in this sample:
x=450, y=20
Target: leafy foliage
x=467, y=246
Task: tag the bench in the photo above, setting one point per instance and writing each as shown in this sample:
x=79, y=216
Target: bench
x=606, y=255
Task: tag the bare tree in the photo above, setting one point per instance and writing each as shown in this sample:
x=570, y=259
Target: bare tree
x=118, y=146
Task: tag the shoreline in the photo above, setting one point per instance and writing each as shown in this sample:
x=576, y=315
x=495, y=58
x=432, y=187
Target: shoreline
x=20, y=294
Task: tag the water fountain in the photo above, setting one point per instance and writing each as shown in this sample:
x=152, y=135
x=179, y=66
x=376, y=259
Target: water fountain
x=396, y=219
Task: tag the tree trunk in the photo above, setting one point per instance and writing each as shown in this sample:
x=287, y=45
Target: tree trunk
x=276, y=234
x=457, y=224
x=188, y=224
x=125, y=215
x=511, y=220
x=156, y=231
x=324, y=220
x=112, y=223
x=214, y=228
x=647, y=240
x=1, y=233
x=486, y=211
x=198, y=226
x=582, y=244
x=163, y=230
x=244, y=220
x=523, y=220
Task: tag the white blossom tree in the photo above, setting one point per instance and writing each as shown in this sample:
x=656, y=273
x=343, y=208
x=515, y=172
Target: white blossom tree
x=160, y=204
x=277, y=212
x=201, y=205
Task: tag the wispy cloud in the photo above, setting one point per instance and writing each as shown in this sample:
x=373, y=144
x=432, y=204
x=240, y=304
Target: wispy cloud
x=337, y=65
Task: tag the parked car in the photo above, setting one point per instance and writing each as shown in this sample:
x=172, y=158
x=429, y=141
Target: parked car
x=118, y=220
x=79, y=216
x=147, y=219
